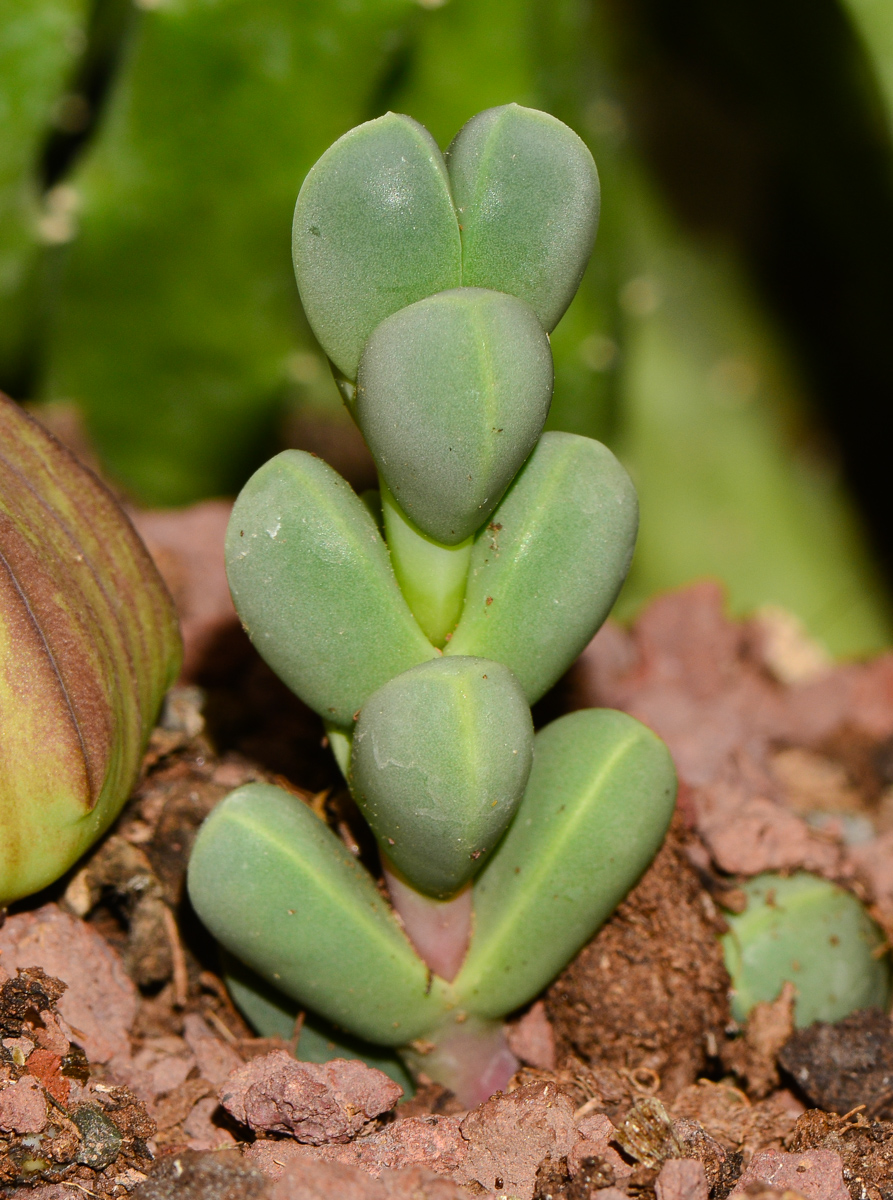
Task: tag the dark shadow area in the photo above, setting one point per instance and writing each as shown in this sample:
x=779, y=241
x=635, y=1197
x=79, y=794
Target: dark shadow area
x=764, y=124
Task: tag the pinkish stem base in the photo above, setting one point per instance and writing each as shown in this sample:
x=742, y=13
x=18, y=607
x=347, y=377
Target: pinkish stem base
x=439, y=929
x=471, y=1057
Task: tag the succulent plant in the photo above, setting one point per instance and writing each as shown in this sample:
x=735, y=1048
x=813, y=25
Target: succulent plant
x=804, y=930
x=89, y=644
x=421, y=623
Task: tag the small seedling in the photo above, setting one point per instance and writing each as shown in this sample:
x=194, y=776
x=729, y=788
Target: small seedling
x=422, y=622
x=88, y=646
x=809, y=932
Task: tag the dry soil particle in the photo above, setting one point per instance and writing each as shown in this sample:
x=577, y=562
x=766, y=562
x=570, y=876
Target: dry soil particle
x=816, y=1174
x=100, y=1001
x=754, y=1055
x=316, y=1103
x=841, y=1066
x=865, y=1148
x=192, y=1176
x=308, y=1180
x=729, y=1117
x=648, y=996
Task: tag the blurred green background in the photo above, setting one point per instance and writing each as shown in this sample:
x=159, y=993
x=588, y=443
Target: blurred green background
x=732, y=337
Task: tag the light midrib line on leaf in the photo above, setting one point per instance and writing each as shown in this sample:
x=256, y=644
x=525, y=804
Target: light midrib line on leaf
x=544, y=865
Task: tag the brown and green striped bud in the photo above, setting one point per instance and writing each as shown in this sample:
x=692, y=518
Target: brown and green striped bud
x=88, y=646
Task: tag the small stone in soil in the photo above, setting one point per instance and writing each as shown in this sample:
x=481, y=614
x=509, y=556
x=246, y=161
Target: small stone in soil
x=865, y=1148
x=816, y=1174
x=697, y=1143
x=510, y=1134
x=100, y=1001
x=221, y=1175
x=101, y=1140
x=682, y=1179
x=23, y=1108
x=314, y=1102
x=843, y=1065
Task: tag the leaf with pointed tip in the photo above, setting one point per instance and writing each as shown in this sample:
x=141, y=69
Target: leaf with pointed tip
x=547, y=569
x=527, y=194
x=598, y=803
x=88, y=646
x=374, y=230
x=452, y=394
x=313, y=585
x=283, y=894
x=440, y=758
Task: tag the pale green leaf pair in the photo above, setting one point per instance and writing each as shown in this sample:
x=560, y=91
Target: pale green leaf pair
x=383, y=221
x=280, y=891
x=439, y=312
x=313, y=584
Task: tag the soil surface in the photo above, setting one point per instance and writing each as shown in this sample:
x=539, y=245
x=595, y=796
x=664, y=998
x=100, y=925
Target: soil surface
x=125, y=1069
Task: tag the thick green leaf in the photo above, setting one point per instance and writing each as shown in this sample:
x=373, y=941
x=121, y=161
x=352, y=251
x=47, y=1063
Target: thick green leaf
x=271, y=1014
x=283, y=894
x=88, y=646
x=804, y=930
x=452, y=394
x=548, y=567
x=374, y=230
x=313, y=585
x=599, y=800
x=527, y=194
x=440, y=758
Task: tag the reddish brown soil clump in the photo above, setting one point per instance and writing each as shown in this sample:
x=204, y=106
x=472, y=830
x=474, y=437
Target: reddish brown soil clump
x=648, y=996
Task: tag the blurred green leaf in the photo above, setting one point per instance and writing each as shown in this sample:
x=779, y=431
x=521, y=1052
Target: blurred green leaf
x=712, y=412
x=39, y=43
x=177, y=317
x=874, y=21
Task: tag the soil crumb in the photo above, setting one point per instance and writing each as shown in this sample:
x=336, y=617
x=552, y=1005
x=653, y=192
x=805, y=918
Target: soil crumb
x=865, y=1148
x=846, y=1065
x=648, y=997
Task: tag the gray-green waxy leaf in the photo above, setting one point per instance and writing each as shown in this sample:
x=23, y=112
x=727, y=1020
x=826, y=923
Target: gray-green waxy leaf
x=282, y=893
x=598, y=803
x=807, y=931
x=548, y=567
x=452, y=394
x=527, y=194
x=440, y=758
x=374, y=230
x=313, y=585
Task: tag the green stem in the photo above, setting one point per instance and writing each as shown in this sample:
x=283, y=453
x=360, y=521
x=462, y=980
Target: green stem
x=339, y=744
x=432, y=576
